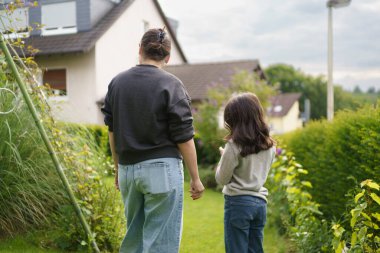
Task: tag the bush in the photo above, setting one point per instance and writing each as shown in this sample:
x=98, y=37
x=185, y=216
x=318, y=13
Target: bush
x=292, y=209
x=334, y=152
x=207, y=176
x=364, y=222
x=99, y=135
x=86, y=167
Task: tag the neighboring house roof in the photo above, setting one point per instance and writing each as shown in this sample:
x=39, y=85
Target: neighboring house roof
x=82, y=42
x=281, y=104
x=198, y=77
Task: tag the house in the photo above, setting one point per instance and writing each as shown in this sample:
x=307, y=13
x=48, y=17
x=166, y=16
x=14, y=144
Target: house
x=284, y=114
x=82, y=50
x=85, y=43
x=199, y=77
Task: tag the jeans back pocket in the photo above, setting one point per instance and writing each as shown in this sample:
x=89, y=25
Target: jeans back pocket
x=155, y=178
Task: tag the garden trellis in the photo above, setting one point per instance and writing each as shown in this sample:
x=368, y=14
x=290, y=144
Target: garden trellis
x=44, y=136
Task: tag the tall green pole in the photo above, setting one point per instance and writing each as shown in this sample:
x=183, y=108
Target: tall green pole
x=47, y=142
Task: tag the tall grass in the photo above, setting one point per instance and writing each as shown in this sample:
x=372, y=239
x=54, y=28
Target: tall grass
x=31, y=193
x=28, y=183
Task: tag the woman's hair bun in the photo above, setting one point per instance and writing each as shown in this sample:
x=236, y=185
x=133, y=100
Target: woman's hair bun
x=155, y=44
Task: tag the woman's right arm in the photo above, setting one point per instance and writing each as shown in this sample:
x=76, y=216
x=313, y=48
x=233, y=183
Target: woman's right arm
x=115, y=157
x=189, y=154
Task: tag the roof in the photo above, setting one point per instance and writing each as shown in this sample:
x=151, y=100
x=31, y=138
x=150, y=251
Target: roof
x=281, y=104
x=83, y=42
x=198, y=77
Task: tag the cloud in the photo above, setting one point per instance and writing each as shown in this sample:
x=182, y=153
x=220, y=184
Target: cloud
x=293, y=32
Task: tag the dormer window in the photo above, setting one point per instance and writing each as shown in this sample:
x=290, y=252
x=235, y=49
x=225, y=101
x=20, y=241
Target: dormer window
x=59, y=18
x=15, y=23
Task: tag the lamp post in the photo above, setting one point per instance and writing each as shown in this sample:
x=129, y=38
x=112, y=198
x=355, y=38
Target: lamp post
x=330, y=87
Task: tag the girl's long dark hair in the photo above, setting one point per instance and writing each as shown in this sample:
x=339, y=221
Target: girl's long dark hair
x=244, y=119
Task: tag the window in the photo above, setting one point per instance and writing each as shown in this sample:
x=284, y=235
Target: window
x=56, y=79
x=55, y=22
x=15, y=24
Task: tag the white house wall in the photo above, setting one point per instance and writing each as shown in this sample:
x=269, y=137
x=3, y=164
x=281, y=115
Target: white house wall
x=117, y=49
x=292, y=119
x=287, y=123
x=80, y=104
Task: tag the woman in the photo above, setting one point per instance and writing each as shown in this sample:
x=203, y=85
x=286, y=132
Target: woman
x=149, y=117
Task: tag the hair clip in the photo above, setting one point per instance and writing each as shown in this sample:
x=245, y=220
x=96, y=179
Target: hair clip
x=161, y=36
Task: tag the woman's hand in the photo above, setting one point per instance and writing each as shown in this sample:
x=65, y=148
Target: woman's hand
x=196, y=189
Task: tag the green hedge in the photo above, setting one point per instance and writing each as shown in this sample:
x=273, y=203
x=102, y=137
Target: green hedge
x=292, y=209
x=337, y=152
x=99, y=133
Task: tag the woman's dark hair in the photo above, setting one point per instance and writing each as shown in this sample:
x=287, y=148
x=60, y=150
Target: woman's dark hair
x=244, y=119
x=155, y=44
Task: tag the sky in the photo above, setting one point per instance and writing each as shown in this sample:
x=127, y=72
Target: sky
x=283, y=31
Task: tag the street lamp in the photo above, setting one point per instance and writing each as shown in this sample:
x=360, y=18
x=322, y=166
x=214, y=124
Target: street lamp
x=330, y=87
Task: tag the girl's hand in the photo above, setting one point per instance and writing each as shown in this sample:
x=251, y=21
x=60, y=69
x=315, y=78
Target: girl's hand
x=221, y=150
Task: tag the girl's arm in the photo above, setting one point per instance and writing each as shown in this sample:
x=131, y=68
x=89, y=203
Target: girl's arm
x=227, y=164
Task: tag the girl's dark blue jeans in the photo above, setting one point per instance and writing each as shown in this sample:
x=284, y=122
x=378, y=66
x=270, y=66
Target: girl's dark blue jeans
x=244, y=221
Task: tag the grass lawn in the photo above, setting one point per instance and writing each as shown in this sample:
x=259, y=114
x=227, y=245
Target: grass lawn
x=203, y=230
x=203, y=226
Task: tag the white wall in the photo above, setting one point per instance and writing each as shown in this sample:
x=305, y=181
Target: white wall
x=287, y=123
x=117, y=49
x=80, y=103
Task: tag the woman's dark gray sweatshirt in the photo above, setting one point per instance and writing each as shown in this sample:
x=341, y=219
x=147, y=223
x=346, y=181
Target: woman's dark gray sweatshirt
x=148, y=110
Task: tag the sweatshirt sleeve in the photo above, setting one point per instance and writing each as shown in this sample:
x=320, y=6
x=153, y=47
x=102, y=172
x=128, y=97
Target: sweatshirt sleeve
x=227, y=164
x=107, y=109
x=180, y=117
x=181, y=122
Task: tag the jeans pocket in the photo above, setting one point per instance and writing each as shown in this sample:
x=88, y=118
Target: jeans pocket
x=156, y=178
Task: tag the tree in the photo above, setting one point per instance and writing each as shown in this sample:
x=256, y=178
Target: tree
x=371, y=90
x=312, y=88
x=357, y=90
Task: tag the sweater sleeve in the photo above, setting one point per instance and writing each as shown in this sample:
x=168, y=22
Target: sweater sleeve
x=179, y=114
x=107, y=109
x=227, y=164
x=181, y=121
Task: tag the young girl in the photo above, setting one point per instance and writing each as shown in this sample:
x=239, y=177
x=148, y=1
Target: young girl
x=243, y=170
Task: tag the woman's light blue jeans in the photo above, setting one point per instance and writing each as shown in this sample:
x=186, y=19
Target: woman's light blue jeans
x=152, y=193
x=244, y=221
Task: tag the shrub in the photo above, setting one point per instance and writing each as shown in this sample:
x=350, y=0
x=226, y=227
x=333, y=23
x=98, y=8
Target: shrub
x=99, y=135
x=86, y=167
x=292, y=209
x=364, y=222
x=207, y=176
x=336, y=151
